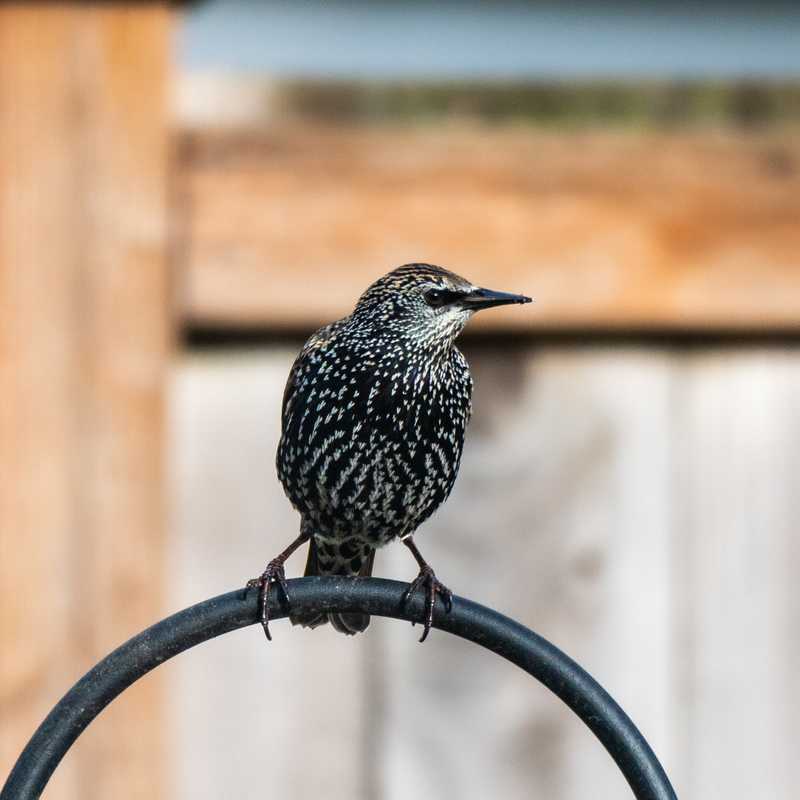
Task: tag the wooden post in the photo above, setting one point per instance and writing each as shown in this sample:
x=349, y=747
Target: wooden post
x=83, y=347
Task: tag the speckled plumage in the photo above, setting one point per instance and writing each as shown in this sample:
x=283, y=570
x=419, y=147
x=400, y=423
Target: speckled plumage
x=373, y=425
x=374, y=415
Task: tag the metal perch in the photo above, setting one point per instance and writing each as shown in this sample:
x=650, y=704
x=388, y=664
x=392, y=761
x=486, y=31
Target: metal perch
x=92, y=693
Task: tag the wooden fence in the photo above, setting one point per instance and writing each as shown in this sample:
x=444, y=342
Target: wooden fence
x=663, y=483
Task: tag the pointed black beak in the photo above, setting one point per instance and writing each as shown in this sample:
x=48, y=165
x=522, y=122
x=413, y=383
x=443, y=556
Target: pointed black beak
x=486, y=298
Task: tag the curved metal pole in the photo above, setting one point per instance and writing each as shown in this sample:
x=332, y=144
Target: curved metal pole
x=92, y=693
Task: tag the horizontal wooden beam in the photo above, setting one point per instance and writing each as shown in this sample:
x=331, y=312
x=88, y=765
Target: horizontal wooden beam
x=682, y=231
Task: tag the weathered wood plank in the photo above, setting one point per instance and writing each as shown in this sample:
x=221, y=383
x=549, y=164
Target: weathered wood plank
x=619, y=231
x=736, y=612
x=38, y=367
x=83, y=160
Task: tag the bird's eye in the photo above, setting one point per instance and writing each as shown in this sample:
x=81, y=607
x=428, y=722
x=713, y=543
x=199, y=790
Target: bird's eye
x=436, y=298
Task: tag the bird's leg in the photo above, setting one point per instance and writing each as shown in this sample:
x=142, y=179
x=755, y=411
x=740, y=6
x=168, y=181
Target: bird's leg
x=274, y=573
x=432, y=584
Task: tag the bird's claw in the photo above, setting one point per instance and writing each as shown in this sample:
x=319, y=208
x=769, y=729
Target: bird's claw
x=433, y=586
x=274, y=573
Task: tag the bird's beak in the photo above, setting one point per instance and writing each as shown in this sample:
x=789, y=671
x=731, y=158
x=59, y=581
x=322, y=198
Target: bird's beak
x=486, y=298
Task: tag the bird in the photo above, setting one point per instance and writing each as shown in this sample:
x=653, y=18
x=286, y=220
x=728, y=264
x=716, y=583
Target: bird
x=373, y=420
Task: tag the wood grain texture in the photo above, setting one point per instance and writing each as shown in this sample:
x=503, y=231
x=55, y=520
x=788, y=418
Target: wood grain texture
x=84, y=310
x=684, y=231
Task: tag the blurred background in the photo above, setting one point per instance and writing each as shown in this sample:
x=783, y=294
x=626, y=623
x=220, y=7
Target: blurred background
x=187, y=191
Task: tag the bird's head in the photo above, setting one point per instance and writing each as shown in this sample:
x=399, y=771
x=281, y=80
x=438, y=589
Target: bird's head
x=427, y=303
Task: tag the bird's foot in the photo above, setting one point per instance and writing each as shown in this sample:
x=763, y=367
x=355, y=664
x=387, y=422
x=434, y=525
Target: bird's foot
x=433, y=586
x=274, y=573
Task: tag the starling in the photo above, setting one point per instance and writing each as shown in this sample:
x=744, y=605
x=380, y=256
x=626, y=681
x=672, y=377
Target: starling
x=373, y=422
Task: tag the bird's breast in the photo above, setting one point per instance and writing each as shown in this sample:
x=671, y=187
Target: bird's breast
x=373, y=450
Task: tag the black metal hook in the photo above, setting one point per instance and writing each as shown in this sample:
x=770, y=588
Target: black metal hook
x=559, y=673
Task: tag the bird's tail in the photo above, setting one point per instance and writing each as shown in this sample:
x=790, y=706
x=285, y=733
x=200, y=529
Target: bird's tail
x=326, y=558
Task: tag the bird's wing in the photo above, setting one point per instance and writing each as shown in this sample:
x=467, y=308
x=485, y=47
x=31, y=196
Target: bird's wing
x=317, y=341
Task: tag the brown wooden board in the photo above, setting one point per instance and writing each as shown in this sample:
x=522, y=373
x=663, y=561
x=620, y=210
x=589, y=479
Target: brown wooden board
x=83, y=347
x=607, y=230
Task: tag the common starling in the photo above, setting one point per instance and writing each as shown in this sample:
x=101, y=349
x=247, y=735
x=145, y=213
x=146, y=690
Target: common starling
x=373, y=422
